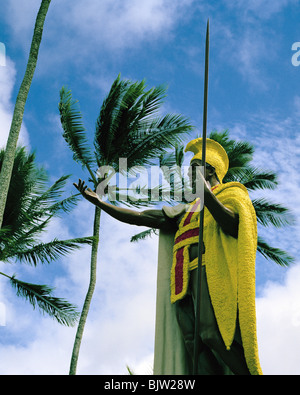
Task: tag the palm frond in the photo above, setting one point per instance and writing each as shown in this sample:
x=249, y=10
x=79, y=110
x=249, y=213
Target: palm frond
x=167, y=160
x=143, y=235
x=151, y=101
x=259, y=179
x=252, y=178
x=65, y=205
x=240, y=153
x=40, y=205
x=156, y=138
x=5, y=237
x=19, y=240
x=128, y=125
x=27, y=181
x=126, y=114
x=124, y=110
x=74, y=131
x=41, y=295
x=48, y=252
x=179, y=154
x=130, y=371
x=106, y=124
x=173, y=158
x=277, y=255
x=137, y=107
x=272, y=213
x=41, y=208
x=221, y=137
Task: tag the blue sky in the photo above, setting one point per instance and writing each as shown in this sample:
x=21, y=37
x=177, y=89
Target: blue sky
x=253, y=92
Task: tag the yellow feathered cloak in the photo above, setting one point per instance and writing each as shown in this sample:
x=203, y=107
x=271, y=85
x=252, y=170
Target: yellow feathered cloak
x=230, y=268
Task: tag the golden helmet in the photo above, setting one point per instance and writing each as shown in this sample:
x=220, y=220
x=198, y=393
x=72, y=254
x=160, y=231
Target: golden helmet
x=216, y=155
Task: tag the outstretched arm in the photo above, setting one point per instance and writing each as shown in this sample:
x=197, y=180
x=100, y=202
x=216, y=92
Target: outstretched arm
x=148, y=218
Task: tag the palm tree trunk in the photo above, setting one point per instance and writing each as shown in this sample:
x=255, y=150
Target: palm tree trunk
x=89, y=295
x=15, y=128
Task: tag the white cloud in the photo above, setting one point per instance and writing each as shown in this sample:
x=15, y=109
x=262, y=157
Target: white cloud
x=246, y=44
x=48, y=353
x=277, y=148
x=278, y=317
x=122, y=24
x=249, y=57
x=281, y=153
x=7, y=82
x=21, y=19
x=92, y=27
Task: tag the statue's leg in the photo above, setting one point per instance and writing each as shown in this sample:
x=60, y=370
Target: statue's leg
x=234, y=358
x=208, y=364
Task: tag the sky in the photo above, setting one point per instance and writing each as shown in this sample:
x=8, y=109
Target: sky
x=253, y=92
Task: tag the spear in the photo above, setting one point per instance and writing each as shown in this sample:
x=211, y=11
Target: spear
x=200, y=243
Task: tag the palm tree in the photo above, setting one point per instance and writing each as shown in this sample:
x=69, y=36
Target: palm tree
x=29, y=209
x=128, y=127
x=17, y=119
x=240, y=154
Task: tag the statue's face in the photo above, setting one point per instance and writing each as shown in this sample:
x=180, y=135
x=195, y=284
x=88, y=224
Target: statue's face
x=195, y=166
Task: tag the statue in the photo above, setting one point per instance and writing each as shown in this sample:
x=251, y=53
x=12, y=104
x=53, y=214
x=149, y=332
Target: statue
x=227, y=335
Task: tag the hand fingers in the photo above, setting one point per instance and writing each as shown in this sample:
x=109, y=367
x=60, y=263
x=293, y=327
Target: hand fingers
x=80, y=186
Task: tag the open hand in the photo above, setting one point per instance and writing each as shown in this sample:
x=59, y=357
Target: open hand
x=86, y=192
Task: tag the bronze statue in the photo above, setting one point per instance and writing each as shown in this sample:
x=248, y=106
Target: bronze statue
x=227, y=335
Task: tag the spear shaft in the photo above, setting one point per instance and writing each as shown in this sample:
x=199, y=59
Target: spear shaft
x=200, y=243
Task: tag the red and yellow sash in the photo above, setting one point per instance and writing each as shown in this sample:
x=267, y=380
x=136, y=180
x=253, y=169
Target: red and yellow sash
x=187, y=234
